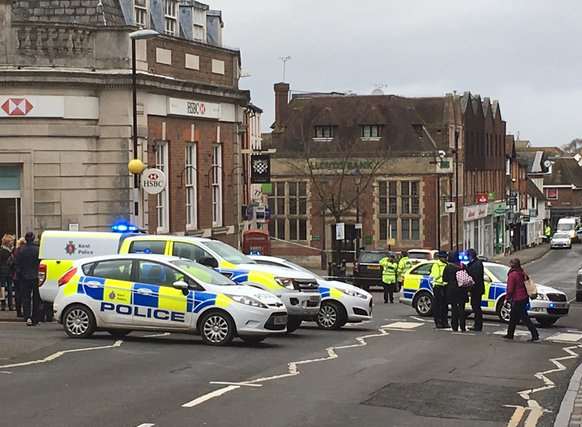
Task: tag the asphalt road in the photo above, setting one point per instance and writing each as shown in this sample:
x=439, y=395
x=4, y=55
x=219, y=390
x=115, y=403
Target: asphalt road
x=403, y=374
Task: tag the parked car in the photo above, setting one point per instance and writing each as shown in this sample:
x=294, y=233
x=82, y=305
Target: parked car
x=367, y=269
x=561, y=240
x=547, y=308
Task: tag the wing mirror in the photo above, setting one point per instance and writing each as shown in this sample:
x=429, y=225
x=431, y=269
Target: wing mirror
x=180, y=284
x=208, y=262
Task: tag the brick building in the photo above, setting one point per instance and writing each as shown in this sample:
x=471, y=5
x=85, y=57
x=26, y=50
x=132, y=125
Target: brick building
x=66, y=129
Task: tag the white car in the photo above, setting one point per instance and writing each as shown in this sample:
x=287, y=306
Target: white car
x=561, y=239
x=341, y=302
x=122, y=293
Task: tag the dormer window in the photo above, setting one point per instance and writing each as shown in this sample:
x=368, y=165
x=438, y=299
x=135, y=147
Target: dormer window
x=141, y=13
x=324, y=132
x=371, y=131
x=171, y=17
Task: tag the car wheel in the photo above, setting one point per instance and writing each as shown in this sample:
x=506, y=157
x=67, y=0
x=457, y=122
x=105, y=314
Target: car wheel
x=293, y=325
x=118, y=333
x=546, y=322
x=422, y=303
x=79, y=321
x=253, y=339
x=503, y=310
x=331, y=315
x=217, y=328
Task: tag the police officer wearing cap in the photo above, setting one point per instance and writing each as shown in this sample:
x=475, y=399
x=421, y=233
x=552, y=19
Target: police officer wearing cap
x=440, y=309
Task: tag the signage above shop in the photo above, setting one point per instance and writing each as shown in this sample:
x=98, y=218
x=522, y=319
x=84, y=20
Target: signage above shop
x=153, y=181
x=450, y=207
x=193, y=108
x=36, y=106
x=260, y=169
x=444, y=166
x=472, y=213
x=482, y=198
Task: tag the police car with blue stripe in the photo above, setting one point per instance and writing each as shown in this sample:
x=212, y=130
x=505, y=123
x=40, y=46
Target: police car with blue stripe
x=122, y=293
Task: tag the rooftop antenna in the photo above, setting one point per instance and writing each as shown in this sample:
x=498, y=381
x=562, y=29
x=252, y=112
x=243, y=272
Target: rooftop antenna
x=284, y=60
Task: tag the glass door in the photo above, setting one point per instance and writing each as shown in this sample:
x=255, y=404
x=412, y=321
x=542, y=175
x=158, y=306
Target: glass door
x=10, y=216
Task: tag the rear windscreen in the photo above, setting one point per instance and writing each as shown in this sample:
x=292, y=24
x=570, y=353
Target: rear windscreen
x=419, y=255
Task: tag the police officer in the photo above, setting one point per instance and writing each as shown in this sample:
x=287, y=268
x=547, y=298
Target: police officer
x=440, y=308
x=477, y=273
x=27, y=262
x=548, y=232
x=404, y=265
x=389, y=272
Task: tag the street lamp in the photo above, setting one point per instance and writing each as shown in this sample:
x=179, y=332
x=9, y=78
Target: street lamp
x=136, y=166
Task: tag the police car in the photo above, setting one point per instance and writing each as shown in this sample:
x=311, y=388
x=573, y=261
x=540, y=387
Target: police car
x=547, y=308
x=341, y=302
x=122, y=293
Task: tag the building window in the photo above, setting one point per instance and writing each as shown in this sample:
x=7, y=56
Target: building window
x=141, y=13
x=171, y=17
x=371, y=131
x=217, y=185
x=399, y=210
x=191, y=187
x=552, y=193
x=327, y=132
x=288, y=205
x=218, y=67
x=162, y=204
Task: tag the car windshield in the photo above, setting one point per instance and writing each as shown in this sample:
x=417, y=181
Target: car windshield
x=228, y=253
x=419, y=255
x=565, y=227
x=561, y=236
x=372, y=257
x=202, y=273
x=499, y=271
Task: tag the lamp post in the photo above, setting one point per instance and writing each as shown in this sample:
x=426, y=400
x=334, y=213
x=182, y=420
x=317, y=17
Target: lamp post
x=136, y=166
x=358, y=230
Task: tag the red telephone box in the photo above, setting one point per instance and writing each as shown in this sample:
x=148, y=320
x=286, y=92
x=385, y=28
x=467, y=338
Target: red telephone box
x=256, y=242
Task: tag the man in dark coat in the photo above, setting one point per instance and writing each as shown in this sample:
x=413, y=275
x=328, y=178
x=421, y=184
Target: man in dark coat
x=26, y=263
x=475, y=270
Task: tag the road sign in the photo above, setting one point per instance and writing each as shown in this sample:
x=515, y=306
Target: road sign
x=450, y=207
x=153, y=181
x=340, y=231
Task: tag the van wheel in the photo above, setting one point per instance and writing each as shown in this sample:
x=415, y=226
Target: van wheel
x=217, y=328
x=79, y=321
x=422, y=303
x=331, y=315
x=118, y=333
x=503, y=310
x=293, y=325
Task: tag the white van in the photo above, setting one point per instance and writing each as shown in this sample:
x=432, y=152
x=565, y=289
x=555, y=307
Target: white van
x=569, y=225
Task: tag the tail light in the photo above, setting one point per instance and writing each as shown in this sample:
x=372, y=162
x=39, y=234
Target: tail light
x=41, y=274
x=67, y=276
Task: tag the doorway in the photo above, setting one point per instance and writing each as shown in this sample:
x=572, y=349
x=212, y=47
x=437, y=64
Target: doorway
x=10, y=216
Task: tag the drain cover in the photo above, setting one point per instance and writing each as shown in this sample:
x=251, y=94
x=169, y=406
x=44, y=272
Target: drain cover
x=447, y=399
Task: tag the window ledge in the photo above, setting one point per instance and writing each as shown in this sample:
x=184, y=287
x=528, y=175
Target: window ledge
x=370, y=138
x=323, y=139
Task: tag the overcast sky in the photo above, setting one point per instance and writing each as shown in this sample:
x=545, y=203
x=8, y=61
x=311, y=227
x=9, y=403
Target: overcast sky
x=525, y=53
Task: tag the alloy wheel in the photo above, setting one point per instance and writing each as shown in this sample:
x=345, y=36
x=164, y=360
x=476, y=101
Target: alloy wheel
x=215, y=329
x=327, y=316
x=424, y=304
x=77, y=321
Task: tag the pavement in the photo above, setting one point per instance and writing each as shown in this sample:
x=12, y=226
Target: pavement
x=396, y=370
x=525, y=255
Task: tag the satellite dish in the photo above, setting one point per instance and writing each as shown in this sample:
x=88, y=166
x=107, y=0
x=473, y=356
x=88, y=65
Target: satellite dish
x=547, y=164
x=378, y=92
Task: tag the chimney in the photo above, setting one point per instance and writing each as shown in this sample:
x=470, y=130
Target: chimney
x=281, y=104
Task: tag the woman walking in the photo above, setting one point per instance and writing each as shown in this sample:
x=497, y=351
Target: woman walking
x=518, y=298
x=6, y=296
x=456, y=295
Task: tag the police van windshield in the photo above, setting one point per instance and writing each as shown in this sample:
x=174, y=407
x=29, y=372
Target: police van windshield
x=566, y=226
x=202, y=273
x=228, y=253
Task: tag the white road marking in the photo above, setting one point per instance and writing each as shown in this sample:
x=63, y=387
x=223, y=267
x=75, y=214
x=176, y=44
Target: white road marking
x=420, y=319
x=563, y=337
x=6, y=372
x=516, y=334
x=402, y=325
x=59, y=354
x=239, y=384
x=165, y=334
x=292, y=369
x=146, y=425
x=208, y=396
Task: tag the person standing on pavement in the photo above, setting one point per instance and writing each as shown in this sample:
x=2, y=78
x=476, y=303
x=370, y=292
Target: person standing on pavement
x=27, y=262
x=519, y=299
x=389, y=272
x=20, y=243
x=440, y=307
x=477, y=273
x=456, y=295
x=5, y=279
x=404, y=265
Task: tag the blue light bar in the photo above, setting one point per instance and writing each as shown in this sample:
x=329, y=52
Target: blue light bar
x=124, y=227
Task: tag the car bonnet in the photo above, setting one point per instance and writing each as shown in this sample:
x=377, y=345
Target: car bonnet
x=276, y=271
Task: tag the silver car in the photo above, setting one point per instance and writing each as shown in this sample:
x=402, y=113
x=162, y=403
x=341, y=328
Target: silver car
x=561, y=240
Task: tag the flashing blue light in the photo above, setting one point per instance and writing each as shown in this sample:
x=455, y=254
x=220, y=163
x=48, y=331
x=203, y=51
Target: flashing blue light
x=552, y=305
x=124, y=227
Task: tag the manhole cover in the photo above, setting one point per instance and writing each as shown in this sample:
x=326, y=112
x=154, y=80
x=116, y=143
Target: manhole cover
x=447, y=399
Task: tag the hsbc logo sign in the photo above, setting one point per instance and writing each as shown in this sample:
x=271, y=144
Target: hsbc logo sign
x=193, y=108
x=17, y=107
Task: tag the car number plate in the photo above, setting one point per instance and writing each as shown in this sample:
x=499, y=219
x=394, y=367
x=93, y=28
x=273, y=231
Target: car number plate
x=280, y=320
x=373, y=267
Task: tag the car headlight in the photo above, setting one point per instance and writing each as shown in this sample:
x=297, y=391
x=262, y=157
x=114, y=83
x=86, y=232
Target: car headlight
x=285, y=282
x=242, y=299
x=543, y=297
x=353, y=293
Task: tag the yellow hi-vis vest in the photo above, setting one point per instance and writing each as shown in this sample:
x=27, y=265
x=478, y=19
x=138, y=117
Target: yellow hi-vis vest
x=389, y=271
x=436, y=272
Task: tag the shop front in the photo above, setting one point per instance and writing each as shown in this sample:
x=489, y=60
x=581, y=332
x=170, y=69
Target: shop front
x=10, y=206
x=478, y=229
x=497, y=211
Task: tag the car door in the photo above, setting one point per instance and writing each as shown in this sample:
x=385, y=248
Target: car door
x=157, y=304
x=109, y=282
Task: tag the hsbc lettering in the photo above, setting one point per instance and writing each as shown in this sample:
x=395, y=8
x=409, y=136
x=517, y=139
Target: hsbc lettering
x=196, y=108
